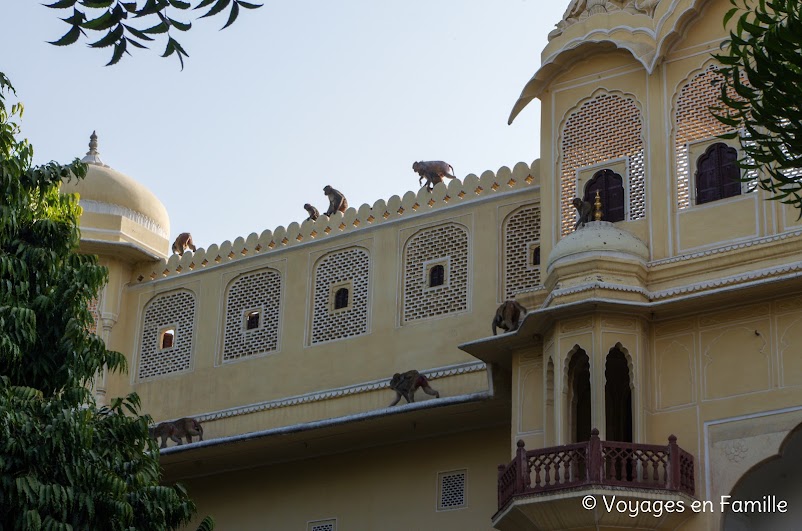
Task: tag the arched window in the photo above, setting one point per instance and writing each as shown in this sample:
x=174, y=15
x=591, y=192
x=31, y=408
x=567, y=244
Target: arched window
x=167, y=338
x=536, y=255
x=611, y=190
x=717, y=174
x=252, y=320
x=341, y=299
x=437, y=276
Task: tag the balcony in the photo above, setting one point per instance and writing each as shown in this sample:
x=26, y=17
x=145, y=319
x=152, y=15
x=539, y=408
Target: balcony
x=642, y=486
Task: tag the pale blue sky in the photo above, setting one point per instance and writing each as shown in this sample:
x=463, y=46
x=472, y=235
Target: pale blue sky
x=294, y=96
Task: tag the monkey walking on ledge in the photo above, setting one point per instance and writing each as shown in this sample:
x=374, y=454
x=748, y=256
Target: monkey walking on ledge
x=508, y=316
x=433, y=171
x=182, y=243
x=407, y=383
x=175, y=430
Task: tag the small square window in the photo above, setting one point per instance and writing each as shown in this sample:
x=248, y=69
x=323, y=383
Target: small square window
x=167, y=338
x=252, y=319
x=341, y=296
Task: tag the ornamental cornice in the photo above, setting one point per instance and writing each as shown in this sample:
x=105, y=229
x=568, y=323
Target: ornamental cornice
x=99, y=207
x=726, y=248
x=431, y=374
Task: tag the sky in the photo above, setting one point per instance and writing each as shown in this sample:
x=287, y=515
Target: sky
x=294, y=96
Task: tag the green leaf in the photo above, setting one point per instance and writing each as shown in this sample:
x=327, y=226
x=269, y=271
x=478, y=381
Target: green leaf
x=233, y=15
x=180, y=26
x=61, y=4
x=218, y=7
x=102, y=23
x=68, y=38
x=119, y=50
x=96, y=4
x=247, y=5
x=112, y=37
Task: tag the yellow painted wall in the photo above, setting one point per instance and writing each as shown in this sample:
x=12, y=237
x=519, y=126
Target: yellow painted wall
x=392, y=488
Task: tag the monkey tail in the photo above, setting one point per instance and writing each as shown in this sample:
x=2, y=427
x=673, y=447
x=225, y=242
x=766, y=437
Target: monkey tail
x=453, y=173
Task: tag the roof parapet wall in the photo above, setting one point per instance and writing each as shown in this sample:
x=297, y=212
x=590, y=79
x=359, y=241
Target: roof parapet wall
x=457, y=192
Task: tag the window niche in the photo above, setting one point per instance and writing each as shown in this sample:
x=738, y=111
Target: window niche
x=610, y=186
x=436, y=273
x=716, y=173
x=533, y=255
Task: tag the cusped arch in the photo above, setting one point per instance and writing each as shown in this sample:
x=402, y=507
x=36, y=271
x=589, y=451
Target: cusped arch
x=581, y=145
x=772, y=476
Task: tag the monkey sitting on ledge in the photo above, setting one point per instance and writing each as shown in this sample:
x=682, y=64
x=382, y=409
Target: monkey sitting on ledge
x=337, y=200
x=585, y=210
x=312, y=211
x=175, y=430
x=407, y=383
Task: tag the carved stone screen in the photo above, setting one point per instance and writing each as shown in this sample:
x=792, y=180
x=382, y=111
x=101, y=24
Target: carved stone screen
x=605, y=128
x=448, y=243
x=175, y=311
x=451, y=487
x=94, y=310
x=252, y=294
x=521, y=230
x=335, y=268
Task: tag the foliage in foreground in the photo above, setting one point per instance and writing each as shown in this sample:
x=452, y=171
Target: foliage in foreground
x=65, y=463
x=762, y=92
x=138, y=23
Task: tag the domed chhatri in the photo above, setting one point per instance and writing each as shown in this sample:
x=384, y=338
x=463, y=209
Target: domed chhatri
x=595, y=239
x=112, y=201
x=599, y=261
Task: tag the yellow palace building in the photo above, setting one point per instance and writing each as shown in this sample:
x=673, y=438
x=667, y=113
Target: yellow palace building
x=654, y=383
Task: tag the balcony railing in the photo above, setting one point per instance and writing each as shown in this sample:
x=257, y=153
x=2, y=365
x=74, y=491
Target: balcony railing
x=596, y=462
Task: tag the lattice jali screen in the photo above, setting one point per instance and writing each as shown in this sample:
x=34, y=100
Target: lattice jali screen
x=607, y=127
x=260, y=292
x=94, y=310
x=341, y=266
x=177, y=311
x=450, y=244
x=520, y=230
x=327, y=525
x=451, y=489
x=694, y=121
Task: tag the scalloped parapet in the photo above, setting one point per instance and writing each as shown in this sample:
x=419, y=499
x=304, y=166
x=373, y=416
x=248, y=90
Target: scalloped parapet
x=457, y=192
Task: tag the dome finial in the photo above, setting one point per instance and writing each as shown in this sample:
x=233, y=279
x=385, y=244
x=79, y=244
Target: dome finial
x=597, y=204
x=93, y=155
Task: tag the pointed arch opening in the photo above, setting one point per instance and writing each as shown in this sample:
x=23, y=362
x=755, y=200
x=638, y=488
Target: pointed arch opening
x=579, y=396
x=617, y=396
x=550, y=426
